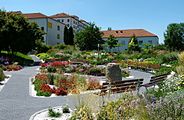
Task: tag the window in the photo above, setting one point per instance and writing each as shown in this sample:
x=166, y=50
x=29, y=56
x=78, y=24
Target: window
x=42, y=28
x=62, y=20
x=58, y=36
x=49, y=25
x=123, y=42
x=150, y=41
x=140, y=42
x=58, y=27
x=68, y=20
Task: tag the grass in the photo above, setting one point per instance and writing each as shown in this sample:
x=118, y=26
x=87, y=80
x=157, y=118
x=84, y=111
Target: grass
x=21, y=58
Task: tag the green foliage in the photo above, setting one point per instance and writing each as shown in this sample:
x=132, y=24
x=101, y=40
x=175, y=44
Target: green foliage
x=51, y=69
x=133, y=44
x=66, y=41
x=125, y=73
x=174, y=36
x=46, y=94
x=66, y=109
x=167, y=87
x=21, y=58
x=89, y=38
x=169, y=57
x=15, y=30
x=163, y=70
x=82, y=112
x=41, y=47
x=52, y=113
x=112, y=42
x=96, y=71
x=2, y=76
x=51, y=78
x=128, y=107
x=70, y=36
x=167, y=108
x=43, y=56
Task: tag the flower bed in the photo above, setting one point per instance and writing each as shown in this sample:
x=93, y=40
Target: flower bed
x=60, y=84
x=56, y=113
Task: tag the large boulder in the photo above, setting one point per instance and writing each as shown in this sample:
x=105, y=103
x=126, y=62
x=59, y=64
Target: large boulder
x=113, y=72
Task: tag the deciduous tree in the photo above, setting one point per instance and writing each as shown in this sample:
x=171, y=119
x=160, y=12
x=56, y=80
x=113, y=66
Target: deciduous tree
x=89, y=38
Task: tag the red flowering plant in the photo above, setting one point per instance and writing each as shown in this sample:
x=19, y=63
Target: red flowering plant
x=43, y=78
x=60, y=91
x=46, y=88
x=93, y=84
x=59, y=63
x=44, y=64
x=13, y=67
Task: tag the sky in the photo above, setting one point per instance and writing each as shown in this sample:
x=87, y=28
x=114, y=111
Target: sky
x=151, y=15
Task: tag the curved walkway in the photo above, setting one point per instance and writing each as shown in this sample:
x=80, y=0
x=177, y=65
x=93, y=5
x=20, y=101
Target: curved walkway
x=17, y=104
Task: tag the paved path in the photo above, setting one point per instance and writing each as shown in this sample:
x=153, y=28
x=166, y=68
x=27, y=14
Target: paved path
x=17, y=104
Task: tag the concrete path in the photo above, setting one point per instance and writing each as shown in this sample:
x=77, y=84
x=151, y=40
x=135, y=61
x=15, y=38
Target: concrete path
x=17, y=104
x=36, y=60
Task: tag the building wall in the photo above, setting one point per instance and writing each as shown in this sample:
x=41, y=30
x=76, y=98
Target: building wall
x=55, y=32
x=71, y=22
x=53, y=35
x=141, y=40
x=42, y=23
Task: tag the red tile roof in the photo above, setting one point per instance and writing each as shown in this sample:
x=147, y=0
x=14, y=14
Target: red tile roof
x=60, y=15
x=35, y=15
x=128, y=33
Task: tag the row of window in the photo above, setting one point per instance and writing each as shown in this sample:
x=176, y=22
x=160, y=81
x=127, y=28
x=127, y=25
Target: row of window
x=58, y=27
x=140, y=42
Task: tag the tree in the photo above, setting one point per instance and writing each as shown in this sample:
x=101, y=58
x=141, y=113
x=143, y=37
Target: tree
x=17, y=34
x=89, y=38
x=66, y=35
x=174, y=36
x=70, y=36
x=133, y=44
x=112, y=42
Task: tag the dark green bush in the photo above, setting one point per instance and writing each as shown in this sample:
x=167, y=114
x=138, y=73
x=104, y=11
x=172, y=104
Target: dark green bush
x=95, y=71
x=51, y=79
x=52, y=113
x=51, y=69
x=46, y=94
x=167, y=58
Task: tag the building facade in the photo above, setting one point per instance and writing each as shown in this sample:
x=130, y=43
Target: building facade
x=70, y=21
x=124, y=36
x=54, y=30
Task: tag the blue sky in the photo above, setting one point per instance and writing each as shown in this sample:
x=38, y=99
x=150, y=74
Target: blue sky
x=152, y=15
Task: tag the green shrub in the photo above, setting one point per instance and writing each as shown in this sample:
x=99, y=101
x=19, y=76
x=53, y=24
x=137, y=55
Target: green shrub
x=83, y=112
x=51, y=69
x=168, y=108
x=163, y=70
x=125, y=73
x=43, y=56
x=21, y=58
x=2, y=76
x=96, y=71
x=167, y=58
x=66, y=109
x=166, y=88
x=128, y=107
x=51, y=79
x=52, y=113
x=40, y=93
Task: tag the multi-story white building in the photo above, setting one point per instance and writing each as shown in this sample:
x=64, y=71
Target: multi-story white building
x=123, y=37
x=70, y=21
x=54, y=30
